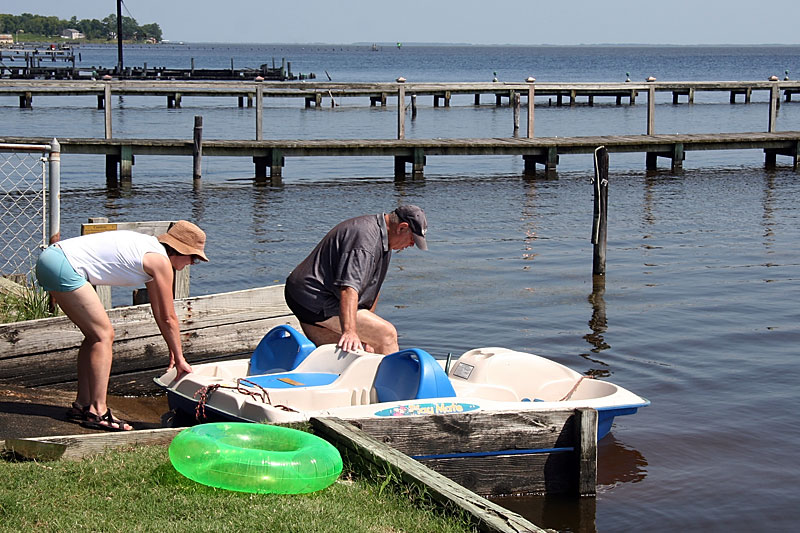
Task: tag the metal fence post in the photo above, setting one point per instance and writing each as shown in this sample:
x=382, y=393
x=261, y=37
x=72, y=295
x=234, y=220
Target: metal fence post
x=54, y=199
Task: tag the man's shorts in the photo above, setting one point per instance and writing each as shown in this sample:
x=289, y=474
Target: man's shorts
x=302, y=314
x=54, y=273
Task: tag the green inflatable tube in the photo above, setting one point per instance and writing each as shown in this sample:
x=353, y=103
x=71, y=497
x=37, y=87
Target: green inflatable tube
x=258, y=458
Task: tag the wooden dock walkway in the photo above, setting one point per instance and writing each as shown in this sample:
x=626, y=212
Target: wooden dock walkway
x=314, y=93
x=270, y=155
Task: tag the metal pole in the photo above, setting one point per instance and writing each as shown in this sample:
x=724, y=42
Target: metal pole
x=54, y=221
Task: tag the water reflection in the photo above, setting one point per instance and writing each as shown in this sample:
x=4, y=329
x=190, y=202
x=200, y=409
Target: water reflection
x=768, y=216
x=616, y=464
x=598, y=323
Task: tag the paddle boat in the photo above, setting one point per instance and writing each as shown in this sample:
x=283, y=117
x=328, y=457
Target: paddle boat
x=288, y=379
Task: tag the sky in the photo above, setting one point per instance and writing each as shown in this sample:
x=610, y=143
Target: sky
x=523, y=22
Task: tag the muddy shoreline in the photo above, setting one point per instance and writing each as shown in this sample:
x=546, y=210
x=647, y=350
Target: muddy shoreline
x=41, y=412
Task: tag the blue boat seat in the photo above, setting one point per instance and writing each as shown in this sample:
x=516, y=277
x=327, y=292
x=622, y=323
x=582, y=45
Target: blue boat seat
x=411, y=374
x=281, y=350
x=289, y=380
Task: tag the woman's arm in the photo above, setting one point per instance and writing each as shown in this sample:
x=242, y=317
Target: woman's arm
x=159, y=289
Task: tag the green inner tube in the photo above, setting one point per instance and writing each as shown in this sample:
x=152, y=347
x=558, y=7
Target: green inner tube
x=258, y=458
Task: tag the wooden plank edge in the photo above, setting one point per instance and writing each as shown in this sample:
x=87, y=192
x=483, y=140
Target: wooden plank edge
x=485, y=515
x=586, y=450
x=76, y=447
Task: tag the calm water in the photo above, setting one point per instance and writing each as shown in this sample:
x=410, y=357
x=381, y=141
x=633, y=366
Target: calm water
x=699, y=309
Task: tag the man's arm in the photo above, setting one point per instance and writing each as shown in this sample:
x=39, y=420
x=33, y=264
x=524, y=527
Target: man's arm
x=348, y=308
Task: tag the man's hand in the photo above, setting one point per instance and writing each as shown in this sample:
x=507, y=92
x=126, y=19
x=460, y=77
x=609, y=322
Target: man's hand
x=349, y=341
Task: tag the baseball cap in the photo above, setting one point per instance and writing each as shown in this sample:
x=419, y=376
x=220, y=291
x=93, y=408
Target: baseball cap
x=415, y=218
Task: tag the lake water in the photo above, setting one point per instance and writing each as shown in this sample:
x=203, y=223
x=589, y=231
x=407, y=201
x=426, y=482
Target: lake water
x=698, y=311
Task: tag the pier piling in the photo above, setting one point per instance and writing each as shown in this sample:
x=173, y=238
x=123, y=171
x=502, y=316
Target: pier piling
x=197, y=149
x=599, y=227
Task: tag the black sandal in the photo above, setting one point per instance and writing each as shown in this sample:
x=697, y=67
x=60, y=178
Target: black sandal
x=105, y=422
x=76, y=413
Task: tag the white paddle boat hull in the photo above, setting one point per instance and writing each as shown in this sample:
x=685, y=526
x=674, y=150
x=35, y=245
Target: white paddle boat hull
x=353, y=385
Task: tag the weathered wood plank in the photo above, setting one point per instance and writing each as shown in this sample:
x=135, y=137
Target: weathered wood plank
x=551, y=473
x=76, y=447
x=41, y=352
x=359, y=447
x=586, y=449
x=472, y=432
x=500, y=452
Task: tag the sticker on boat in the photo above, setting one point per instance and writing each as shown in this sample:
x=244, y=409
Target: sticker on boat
x=463, y=370
x=439, y=408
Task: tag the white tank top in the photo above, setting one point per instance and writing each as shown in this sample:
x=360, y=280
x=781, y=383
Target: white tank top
x=111, y=257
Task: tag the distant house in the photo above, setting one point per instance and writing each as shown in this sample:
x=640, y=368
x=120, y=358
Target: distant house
x=69, y=33
x=6, y=38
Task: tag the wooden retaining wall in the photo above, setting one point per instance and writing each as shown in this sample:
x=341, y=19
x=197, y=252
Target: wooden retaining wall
x=43, y=352
x=514, y=452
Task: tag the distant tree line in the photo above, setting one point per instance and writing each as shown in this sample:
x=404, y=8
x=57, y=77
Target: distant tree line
x=92, y=29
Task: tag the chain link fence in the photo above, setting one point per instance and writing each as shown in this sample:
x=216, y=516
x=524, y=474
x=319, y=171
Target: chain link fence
x=23, y=206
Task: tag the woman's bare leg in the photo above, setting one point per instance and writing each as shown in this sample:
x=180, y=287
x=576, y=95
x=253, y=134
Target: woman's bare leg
x=84, y=308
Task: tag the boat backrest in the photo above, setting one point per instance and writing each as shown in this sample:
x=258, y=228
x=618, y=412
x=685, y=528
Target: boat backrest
x=411, y=374
x=329, y=358
x=280, y=350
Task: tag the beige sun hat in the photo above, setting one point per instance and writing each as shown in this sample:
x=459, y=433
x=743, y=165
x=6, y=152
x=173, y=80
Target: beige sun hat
x=185, y=238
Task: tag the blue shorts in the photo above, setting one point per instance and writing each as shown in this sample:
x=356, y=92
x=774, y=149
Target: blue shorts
x=54, y=273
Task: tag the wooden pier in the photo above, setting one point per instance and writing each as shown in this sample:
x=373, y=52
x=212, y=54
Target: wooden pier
x=269, y=156
x=315, y=93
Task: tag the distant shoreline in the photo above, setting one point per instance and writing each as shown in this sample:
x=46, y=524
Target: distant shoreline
x=169, y=42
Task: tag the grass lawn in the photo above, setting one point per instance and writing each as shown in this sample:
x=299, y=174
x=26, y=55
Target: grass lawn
x=138, y=490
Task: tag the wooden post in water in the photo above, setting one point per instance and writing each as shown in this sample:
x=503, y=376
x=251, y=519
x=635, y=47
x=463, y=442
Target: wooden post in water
x=413, y=106
x=259, y=112
x=774, y=98
x=531, y=81
x=107, y=109
x=125, y=163
x=651, y=110
x=111, y=159
x=515, y=106
x=401, y=108
x=599, y=227
x=197, y=149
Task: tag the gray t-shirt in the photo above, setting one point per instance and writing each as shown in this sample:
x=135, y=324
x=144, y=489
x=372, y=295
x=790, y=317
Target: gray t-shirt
x=355, y=253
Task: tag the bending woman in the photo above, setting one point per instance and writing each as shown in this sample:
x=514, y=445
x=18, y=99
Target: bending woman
x=69, y=268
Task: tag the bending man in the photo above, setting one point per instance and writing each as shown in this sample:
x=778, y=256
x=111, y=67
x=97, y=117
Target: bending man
x=334, y=291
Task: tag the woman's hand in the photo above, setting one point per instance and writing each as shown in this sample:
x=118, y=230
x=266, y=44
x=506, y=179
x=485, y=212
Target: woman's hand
x=182, y=367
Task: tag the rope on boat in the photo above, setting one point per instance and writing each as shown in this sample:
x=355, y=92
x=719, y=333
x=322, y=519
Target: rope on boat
x=574, y=388
x=257, y=391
